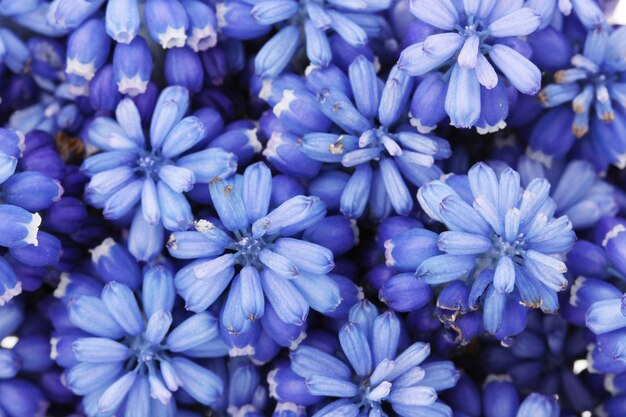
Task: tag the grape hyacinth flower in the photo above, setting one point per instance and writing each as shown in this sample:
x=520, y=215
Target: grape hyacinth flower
x=471, y=38
x=386, y=155
x=578, y=191
x=291, y=274
x=152, y=173
x=129, y=352
x=354, y=22
x=502, y=239
x=372, y=371
x=595, y=89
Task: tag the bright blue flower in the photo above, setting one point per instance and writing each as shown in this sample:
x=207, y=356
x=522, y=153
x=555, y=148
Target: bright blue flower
x=134, y=170
x=383, y=155
x=502, y=238
x=472, y=37
x=127, y=349
x=595, y=89
x=354, y=21
x=371, y=372
x=250, y=247
x=578, y=191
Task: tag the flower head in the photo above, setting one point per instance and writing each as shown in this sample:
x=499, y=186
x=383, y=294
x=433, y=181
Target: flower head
x=258, y=247
x=373, y=370
x=151, y=173
x=386, y=156
x=501, y=237
x=473, y=37
x=128, y=349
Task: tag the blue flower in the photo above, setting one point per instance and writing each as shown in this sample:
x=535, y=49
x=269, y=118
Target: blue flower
x=371, y=370
x=128, y=349
x=354, y=21
x=595, y=90
x=272, y=271
x=501, y=238
x=133, y=170
x=473, y=37
x=385, y=156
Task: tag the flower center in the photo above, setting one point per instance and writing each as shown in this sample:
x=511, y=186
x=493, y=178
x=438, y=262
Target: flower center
x=502, y=247
x=149, y=164
x=144, y=353
x=248, y=249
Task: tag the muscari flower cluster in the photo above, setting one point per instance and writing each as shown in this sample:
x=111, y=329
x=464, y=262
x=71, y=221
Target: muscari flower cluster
x=312, y=208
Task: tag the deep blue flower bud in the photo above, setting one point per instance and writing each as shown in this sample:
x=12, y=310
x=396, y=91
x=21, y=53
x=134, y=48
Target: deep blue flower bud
x=183, y=67
x=405, y=292
x=286, y=335
x=32, y=191
x=167, y=22
x=45, y=160
x=122, y=20
x=132, y=66
x=557, y=121
x=22, y=398
x=114, y=263
x=103, y=91
x=328, y=187
x=87, y=49
x=378, y=275
x=65, y=215
x=235, y=20
x=202, y=32
x=427, y=105
x=500, y=397
x=465, y=396
x=10, y=363
x=284, y=187
x=588, y=259
x=35, y=352
x=551, y=49
x=46, y=252
x=335, y=233
x=215, y=65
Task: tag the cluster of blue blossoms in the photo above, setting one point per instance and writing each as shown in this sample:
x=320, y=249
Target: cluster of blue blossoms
x=320, y=208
